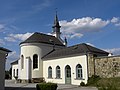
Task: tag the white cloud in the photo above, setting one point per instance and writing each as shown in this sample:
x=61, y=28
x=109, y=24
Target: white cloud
x=115, y=51
x=90, y=44
x=115, y=19
x=10, y=39
x=21, y=36
x=76, y=35
x=13, y=55
x=49, y=33
x=16, y=37
x=2, y=42
x=117, y=24
x=77, y=27
x=2, y=27
x=44, y=4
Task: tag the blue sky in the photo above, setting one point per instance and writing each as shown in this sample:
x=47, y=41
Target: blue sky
x=95, y=22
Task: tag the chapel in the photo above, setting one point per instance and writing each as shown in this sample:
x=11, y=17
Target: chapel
x=48, y=57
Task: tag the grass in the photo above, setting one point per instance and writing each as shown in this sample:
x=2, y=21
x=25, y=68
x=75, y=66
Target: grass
x=104, y=83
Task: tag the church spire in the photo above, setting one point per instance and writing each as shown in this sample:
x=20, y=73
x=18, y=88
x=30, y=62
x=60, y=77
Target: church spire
x=56, y=21
x=56, y=27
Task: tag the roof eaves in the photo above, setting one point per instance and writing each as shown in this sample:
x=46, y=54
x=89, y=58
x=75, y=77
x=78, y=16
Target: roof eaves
x=4, y=49
x=15, y=62
x=64, y=56
x=100, y=51
x=41, y=42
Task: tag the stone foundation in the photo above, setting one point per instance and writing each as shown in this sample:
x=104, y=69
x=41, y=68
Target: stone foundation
x=33, y=80
x=24, y=81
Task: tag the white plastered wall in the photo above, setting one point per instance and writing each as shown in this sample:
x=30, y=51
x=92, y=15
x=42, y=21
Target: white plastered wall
x=28, y=50
x=14, y=67
x=62, y=62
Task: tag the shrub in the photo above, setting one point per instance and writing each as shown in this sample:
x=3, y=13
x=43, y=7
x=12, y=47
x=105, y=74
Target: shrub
x=92, y=81
x=82, y=84
x=7, y=75
x=109, y=86
x=46, y=86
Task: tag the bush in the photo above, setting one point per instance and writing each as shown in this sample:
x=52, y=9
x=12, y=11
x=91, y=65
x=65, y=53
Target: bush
x=104, y=83
x=82, y=84
x=7, y=75
x=92, y=81
x=109, y=86
x=46, y=86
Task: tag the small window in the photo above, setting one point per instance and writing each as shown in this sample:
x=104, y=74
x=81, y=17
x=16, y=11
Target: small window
x=17, y=72
x=79, y=74
x=22, y=61
x=14, y=73
x=50, y=72
x=35, y=61
x=58, y=72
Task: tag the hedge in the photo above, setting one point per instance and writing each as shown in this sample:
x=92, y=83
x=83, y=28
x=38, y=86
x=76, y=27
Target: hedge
x=46, y=86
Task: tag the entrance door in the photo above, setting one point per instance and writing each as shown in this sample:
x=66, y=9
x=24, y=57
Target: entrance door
x=67, y=75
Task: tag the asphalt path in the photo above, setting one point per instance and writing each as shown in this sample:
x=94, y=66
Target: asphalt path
x=11, y=85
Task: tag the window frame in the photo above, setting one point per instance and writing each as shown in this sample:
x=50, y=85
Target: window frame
x=79, y=72
x=58, y=72
x=17, y=72
x=22, y=62
x=13, y=72
x=35, y=61
x=49, y=72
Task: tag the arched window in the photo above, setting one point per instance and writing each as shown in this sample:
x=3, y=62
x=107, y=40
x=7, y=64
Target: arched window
x=35, y=61
x=49, y=72
x=57, y=72
x=13, y=72
x=17, y=72
x=22, y=61
x=79, y=74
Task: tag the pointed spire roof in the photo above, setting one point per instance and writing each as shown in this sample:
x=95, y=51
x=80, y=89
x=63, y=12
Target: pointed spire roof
x=56, y=22
x=56, y=28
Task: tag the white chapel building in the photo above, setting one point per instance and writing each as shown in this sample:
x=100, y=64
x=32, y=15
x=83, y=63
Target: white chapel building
x=48, y=57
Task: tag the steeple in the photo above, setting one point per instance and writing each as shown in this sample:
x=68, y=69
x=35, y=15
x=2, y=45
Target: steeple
x=56, y=27
x=56, y=30
x=56, y=22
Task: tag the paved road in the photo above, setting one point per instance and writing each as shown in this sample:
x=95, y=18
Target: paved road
x=81, y=88
x=26, y=88
x=11, y=85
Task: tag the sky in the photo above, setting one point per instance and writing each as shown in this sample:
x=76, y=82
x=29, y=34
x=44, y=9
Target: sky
x=95, y=22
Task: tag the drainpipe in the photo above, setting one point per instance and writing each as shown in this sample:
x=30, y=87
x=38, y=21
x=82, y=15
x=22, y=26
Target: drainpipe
x=87, y=66
x=94, y=64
